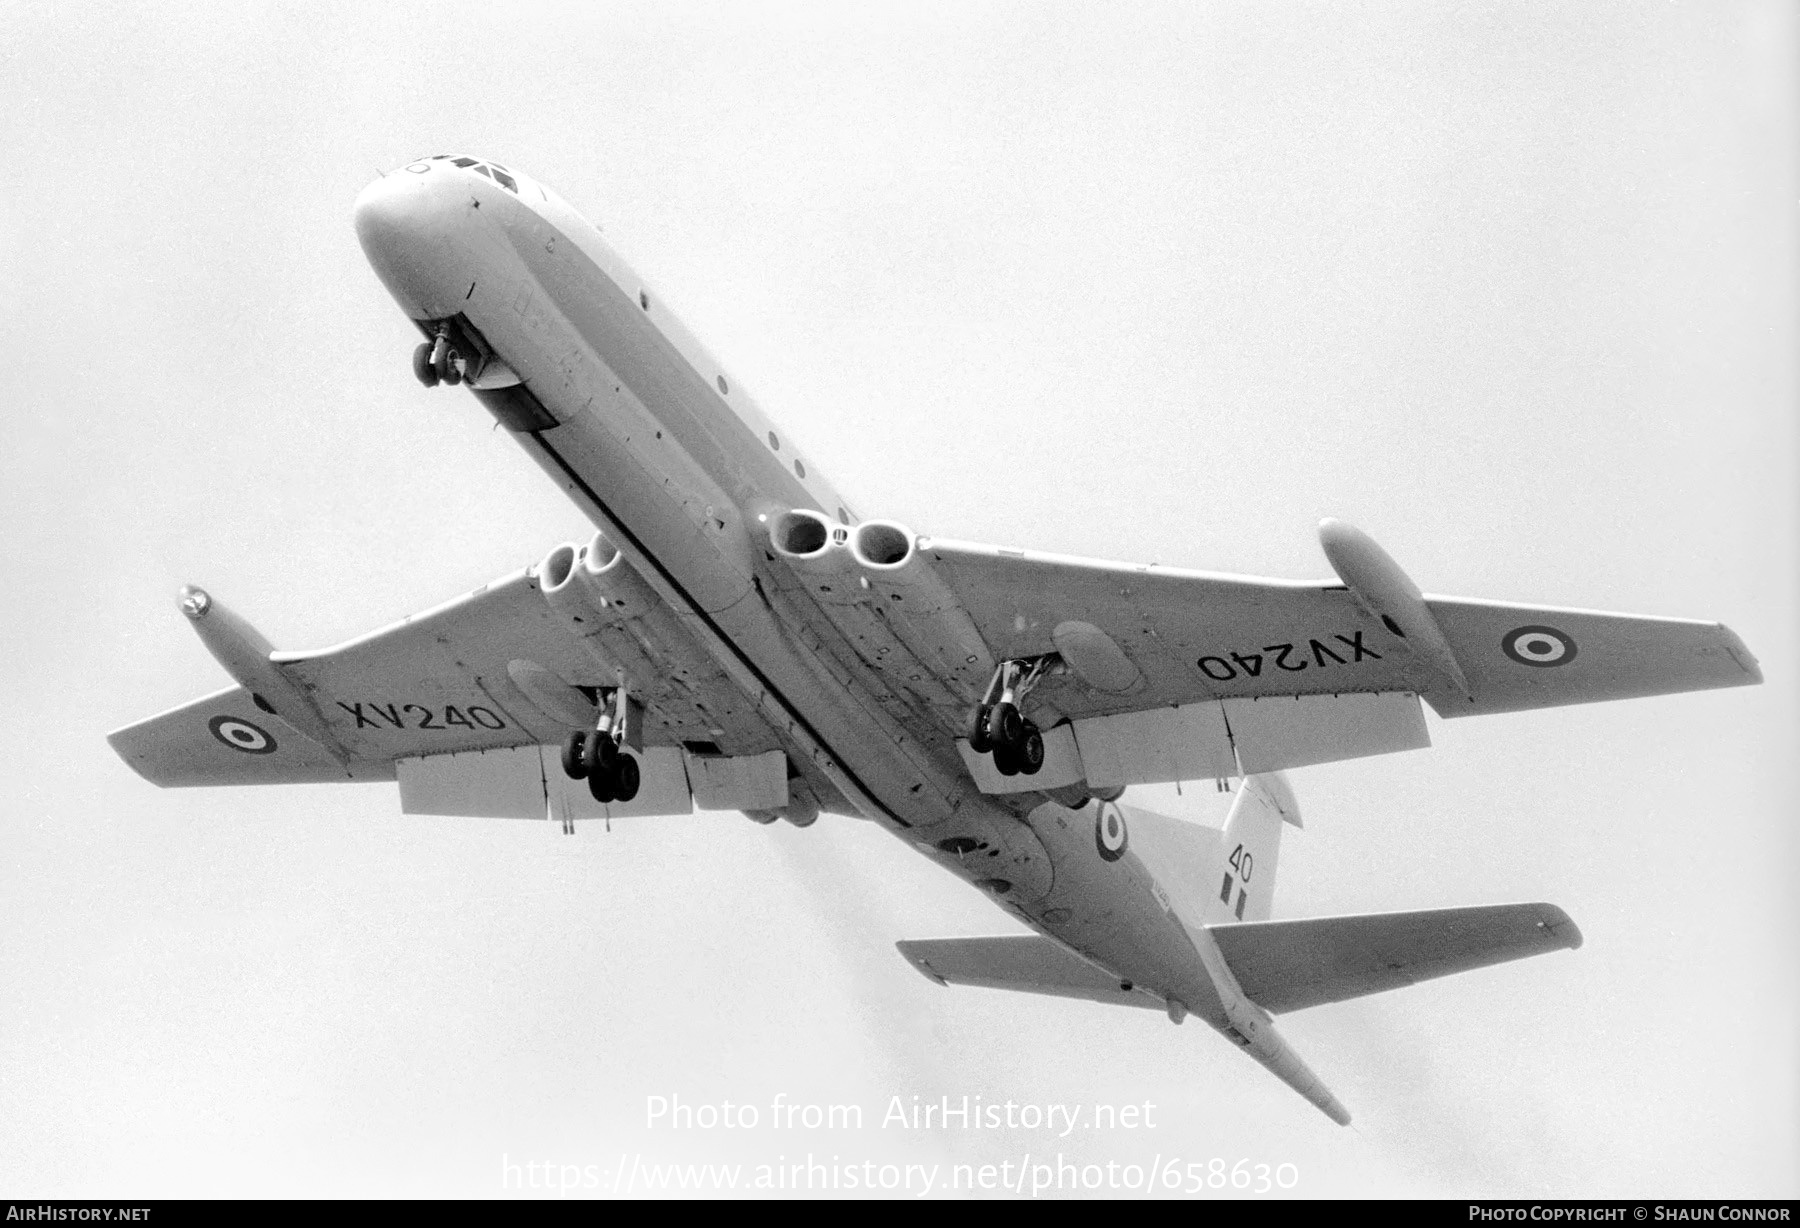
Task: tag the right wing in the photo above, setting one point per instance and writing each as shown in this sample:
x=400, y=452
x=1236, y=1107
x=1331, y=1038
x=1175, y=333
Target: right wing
x=1291, y=965
x=1186, y=675
x=1193, y=636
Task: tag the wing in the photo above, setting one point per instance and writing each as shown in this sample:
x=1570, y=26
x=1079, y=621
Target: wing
x=456, y=702
x=224, y=739
x=1291, y=965
x=454, y=679
x=1175, y=674
x=1025, y=962
x=1189, y=636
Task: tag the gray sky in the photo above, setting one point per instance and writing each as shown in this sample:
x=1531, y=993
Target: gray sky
x=1511, y=287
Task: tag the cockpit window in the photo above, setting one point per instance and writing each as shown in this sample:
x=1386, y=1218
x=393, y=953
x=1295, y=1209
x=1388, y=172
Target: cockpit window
x=492, y=170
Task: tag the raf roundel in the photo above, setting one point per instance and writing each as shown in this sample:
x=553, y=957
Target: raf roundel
x=1110, y=836
x=241, y=735
x=1540, y=647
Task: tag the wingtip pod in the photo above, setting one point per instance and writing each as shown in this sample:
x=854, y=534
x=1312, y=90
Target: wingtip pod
x=245, y=653
x=1389, y=595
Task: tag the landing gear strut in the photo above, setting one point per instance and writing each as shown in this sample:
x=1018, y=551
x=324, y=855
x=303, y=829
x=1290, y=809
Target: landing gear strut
x=598, y=756
x=997, y=727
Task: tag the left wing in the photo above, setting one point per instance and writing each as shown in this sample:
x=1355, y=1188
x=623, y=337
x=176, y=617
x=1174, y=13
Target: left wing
x=458, y=702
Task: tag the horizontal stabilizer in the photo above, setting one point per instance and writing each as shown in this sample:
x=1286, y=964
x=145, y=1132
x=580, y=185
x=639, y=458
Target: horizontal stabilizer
x=1025, y=962
x=1290, y=965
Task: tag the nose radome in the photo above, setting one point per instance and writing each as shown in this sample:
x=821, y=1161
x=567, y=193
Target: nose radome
x=406, y=223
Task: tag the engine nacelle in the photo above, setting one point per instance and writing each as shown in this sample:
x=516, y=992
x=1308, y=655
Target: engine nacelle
x=594, y=590
x=814, y=548
x=919, y=603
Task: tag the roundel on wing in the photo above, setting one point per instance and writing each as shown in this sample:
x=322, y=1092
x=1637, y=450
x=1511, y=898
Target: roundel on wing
x=240, y=734
x=1110, y=836
x=1540, y=647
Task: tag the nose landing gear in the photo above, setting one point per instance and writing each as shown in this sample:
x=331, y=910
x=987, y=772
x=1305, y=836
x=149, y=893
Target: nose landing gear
x=437, y=362
x=598, y=757
x=997, y=727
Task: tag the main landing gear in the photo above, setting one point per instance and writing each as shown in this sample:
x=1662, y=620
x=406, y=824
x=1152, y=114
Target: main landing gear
x=599, y=757
x=997, y=726
x=437, y=362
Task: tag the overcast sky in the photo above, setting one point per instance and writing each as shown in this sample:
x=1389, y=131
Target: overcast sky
x=1509, y=286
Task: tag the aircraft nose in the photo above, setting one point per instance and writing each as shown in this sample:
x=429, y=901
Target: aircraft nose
x=406, y=222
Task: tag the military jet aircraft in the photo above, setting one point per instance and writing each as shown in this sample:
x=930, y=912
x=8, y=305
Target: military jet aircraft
x=735, y=637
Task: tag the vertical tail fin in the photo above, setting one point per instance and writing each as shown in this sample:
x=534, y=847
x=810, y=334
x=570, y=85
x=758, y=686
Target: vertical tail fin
x=1249, y=849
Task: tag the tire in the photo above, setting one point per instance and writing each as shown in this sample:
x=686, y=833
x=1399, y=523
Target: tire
x=573, y=765
x=422, y=368
x=443, y=362
x=626, y=778
x=601, y=785
x=598, y=754
x=1006, y=761
x=1005, y=727
x=977, y=731
x=1031, y=750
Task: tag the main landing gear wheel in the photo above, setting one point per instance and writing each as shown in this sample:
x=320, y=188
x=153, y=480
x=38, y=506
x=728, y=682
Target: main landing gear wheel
x=1030, y=753
x=598, y=754
x=618, y=781
x=977, y=733
x=1016, y=743
x=626, y=778
x=423, y=371
x=1005, y=727
x=572, y=762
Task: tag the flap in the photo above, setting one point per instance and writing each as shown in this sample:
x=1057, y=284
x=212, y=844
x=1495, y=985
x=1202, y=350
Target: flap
x=527, y=782
x=1026, y=962
x=1291, y=965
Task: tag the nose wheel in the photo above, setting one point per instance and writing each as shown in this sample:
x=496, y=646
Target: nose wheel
x=437, y=362
x=997, y=727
